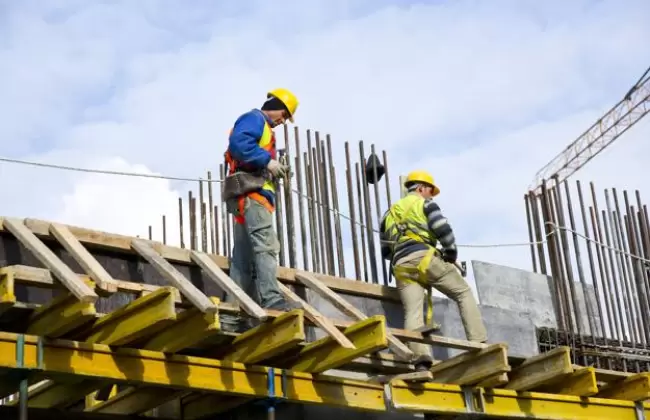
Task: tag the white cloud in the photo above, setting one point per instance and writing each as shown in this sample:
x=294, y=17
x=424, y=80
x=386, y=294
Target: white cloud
x=482, y=95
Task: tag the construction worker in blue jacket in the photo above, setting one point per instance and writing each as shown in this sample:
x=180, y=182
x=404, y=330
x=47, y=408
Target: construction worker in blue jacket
x=252, y=155
x=410, y=231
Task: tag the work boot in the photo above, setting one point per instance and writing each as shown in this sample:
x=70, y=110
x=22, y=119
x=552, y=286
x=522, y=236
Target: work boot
x=423, y=363
x=285, y=306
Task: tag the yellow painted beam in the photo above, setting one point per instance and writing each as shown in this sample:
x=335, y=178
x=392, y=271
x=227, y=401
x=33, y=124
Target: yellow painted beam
x=446, y=399
x=137, y=320
x=470, y=368
x=62, y=315
x=582, y=382
x=633, y=388
x=269, y=339
x=190, y=328
x=367, y=336
x=135, y=400
x=540, y=370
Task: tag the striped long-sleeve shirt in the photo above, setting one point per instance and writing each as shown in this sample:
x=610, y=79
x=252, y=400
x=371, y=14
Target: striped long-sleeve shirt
x=438, y=226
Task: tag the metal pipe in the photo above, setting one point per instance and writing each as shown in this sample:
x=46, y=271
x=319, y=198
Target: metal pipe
x=371, y=236
x=301, y=208
x=353, y=224
x=288, y=198
x=335, y=204
x=213, y=237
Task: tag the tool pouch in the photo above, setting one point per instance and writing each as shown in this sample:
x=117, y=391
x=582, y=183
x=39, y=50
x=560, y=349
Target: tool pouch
x=241, y=183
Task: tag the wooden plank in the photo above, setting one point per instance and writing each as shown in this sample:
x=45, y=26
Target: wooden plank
x=632, y=388
x=121, y=243
x=88, y=263
x=62, y=272
x=226, y=283
x=581, y=383
x=317, y=318
x=178, y=280
x=423, y=376
x=347, y=308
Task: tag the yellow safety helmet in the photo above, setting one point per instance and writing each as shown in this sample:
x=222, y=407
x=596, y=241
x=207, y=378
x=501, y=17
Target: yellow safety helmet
x=422, y=177
x=288, y=99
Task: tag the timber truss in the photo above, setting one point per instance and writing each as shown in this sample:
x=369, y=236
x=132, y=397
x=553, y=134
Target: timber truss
x=166, y=346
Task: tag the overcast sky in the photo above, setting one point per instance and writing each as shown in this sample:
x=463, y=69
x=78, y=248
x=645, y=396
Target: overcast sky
x=482, y=94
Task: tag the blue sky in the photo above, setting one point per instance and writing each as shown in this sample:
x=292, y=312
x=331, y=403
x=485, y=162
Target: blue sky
x=482, y=93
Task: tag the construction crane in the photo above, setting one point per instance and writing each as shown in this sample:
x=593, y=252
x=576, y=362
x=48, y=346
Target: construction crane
x=632, y=108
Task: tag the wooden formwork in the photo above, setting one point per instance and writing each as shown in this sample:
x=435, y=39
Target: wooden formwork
x=178, y=318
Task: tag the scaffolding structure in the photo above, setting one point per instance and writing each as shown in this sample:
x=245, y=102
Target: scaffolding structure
x=165, y=345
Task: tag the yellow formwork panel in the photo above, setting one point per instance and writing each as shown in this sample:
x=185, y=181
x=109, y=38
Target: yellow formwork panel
x=447, y=399
x=7, y=294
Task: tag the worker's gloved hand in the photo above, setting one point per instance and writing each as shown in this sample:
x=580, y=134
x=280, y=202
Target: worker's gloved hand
x=450, y=255
x=277, y=169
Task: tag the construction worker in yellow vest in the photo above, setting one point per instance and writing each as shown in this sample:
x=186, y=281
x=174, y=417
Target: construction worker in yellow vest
x=410, y=231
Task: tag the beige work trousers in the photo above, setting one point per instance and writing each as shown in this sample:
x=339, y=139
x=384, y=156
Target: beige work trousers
x=444, y=277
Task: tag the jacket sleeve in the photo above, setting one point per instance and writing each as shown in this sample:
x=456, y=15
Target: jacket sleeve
x=438, y=225
x=244, y=138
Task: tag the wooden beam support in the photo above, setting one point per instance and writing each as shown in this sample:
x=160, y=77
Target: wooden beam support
x=62, y=315
x=368, y=336
x=175, y=277
x=222, y=280
x=473, y=367
x=347, y=308
x=415, y=377
x=633, y=388
x=541, y=370
x=49, y=260
x=317, y=318
x=121, y=243
x=88, y=263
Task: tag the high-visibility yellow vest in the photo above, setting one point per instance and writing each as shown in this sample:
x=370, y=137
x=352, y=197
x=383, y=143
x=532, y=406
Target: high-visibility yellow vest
x=406, y=220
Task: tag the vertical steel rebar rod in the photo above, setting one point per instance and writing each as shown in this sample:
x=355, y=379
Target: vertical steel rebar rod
x=318, y=204
x=288, y=199
x=204, y=219
x=636, y=275
x=603, y=270
x=353, y=224
x=150, y=233
x=371, y=236
x=362, y=224
x=534, y=201
x=301, y=207
x=590, y=256
x=581, y=274
x=216, y=229
x=164, y=229
x=180, y=222
x=325, y=207
x=529, y=223
x=213, y=239
x=378, y=210
x=336, y=215
x=279, y=213
x=190, y=214
x=608, y=224
x=311, y=210
x=388, y=200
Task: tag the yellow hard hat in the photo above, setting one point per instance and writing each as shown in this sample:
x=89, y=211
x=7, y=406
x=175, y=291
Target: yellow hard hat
x=288, y=99
x=423, y=177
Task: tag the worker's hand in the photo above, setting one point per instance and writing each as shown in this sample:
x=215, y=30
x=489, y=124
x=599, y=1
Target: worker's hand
x=277, y=169
x=450, y=255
